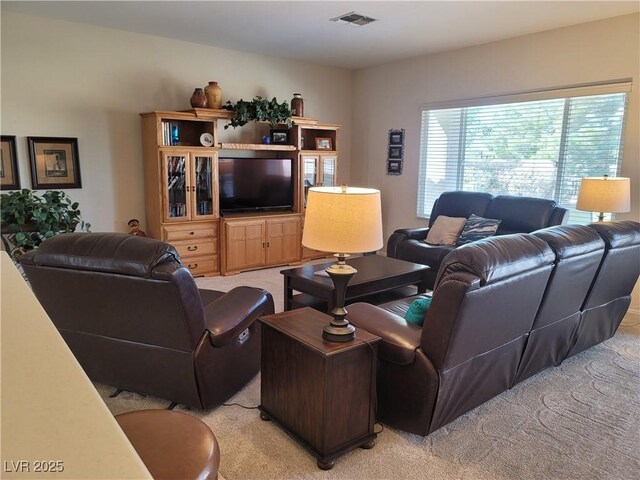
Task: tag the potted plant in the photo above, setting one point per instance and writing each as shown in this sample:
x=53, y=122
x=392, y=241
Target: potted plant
x=27, y=219
x=259, y=110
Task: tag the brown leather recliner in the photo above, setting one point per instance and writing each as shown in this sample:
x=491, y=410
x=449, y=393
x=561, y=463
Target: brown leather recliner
x=134, y=318
x=484, y=303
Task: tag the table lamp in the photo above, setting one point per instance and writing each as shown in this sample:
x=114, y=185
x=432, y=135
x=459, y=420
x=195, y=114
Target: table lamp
x=604, y=194
x=342, y=220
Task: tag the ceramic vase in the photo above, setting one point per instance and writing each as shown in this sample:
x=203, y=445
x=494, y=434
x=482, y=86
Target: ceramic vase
x=214, y=95
x=297, y=105
x=198, y=99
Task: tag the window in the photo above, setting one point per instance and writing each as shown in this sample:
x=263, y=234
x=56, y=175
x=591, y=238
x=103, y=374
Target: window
x=523, y=144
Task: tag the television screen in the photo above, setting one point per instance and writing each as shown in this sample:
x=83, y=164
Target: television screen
x=255, y=184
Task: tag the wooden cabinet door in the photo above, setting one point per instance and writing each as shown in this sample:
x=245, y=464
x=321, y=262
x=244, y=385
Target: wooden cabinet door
x=244, y=244
x=284, y=240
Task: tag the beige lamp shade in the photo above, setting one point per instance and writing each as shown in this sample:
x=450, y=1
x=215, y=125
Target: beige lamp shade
x=604, y=194
x=343, y=220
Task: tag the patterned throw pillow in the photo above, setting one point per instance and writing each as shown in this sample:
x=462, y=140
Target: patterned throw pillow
x=477, y=228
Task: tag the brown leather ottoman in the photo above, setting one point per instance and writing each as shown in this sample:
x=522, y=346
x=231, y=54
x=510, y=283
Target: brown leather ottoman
x=172, y=445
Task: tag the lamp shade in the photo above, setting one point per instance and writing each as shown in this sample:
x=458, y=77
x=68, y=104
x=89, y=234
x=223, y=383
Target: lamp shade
x=604, y=194
x=343, y=220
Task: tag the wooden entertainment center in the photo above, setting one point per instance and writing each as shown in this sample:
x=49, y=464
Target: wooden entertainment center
x=181, y=151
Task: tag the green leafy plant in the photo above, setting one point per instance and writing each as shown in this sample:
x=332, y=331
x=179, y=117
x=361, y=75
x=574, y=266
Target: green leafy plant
x=259, y=110
x=28, y=219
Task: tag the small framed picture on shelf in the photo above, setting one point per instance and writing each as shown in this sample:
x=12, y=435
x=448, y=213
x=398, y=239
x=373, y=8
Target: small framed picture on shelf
x=54, y=162
x=394, y=167
x=395, y=152
x=9, y=178
x=280, y=137
x=323, y=143
x=396, y=137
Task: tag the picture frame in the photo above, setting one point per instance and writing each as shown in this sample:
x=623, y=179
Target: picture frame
x=396, y=137
x=9, y=174
x=395, y=152
x=280, y=137
x=394, y=167
x=324, y=143
x=54, y=162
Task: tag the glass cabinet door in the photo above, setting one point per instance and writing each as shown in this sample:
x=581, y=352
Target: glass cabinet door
x=203, y=188
x=309, y=174
x=328, y=171
x=175, y=196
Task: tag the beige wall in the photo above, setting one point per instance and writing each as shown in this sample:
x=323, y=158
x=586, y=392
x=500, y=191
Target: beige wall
x=72, y=80
x=390, y=96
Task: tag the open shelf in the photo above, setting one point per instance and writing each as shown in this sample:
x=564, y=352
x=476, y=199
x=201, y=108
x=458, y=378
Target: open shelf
x=256, y=146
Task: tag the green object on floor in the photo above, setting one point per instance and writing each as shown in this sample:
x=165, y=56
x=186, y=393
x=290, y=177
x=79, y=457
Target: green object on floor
x=417, y=310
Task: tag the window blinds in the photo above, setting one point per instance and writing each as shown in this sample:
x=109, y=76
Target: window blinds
x=540, y=148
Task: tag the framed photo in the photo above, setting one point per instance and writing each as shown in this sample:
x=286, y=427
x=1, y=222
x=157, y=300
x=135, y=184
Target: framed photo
x=323, y=143
x=396, y=137
x=280, y=137
x=395, y=152
x=394, y=167
x=9, y=177
x=54, y=162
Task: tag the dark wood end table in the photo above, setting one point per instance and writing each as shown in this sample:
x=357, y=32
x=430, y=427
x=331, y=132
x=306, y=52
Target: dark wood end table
x=376, y=274
x=322, y=393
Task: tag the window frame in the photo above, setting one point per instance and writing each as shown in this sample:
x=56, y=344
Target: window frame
x=423, y=211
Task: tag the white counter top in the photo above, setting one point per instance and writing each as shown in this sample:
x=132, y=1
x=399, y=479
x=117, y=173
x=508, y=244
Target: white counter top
x=51, y=415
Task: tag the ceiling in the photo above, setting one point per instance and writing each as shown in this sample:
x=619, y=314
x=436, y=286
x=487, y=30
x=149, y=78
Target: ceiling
x=302, y=30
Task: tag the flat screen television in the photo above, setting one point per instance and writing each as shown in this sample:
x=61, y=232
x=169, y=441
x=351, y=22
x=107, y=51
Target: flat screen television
x=255, y=184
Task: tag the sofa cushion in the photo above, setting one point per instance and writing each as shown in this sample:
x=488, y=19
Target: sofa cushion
x=476, y=228
x=445, y=230
x=417, y=251
x=460, y=204
x=110, y=253
x=520, y=214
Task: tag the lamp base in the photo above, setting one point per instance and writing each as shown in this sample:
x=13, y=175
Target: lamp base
x=339, y=329
x=339, y=333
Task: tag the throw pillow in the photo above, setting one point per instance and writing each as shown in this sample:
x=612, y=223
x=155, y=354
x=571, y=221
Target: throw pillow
x=417, y=310
x=478, y=228
x=445, y=230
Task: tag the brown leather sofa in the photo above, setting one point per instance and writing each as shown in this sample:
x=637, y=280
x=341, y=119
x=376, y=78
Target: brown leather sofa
x=518, y=215
x=503, y=309
x=134, y=318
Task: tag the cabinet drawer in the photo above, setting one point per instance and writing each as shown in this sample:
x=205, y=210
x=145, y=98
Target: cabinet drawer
x=201, y=265
x=171, y=233
x=196, y=247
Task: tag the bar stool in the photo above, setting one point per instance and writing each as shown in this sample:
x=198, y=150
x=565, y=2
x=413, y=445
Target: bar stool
x=172, y=445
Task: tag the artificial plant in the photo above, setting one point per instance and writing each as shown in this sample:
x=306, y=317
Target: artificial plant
x=28, y=219
x=259, y=110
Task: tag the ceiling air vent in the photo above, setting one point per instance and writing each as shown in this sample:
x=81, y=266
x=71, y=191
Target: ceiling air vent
x=353, y=18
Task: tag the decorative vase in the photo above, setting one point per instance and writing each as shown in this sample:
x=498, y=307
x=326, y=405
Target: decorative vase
x=214, y=95
x=198, y=99
x=297, y=105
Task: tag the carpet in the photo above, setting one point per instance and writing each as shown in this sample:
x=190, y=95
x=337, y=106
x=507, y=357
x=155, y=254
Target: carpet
x=576, y=421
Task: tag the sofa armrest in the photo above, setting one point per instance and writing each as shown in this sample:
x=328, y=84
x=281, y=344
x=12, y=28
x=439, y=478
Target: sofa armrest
x=403, y=234
x=400, y=339
x=234, y=312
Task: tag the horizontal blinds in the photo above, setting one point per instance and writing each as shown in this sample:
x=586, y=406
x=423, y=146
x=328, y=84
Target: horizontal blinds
x=539, y=148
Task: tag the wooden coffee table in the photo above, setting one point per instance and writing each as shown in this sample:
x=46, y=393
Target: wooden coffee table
x=376, y=274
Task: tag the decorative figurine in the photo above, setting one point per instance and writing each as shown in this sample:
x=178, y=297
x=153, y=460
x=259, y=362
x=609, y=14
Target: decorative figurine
x=134, y=225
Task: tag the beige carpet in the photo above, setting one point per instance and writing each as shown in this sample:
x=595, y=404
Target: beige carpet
x=578, y=421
